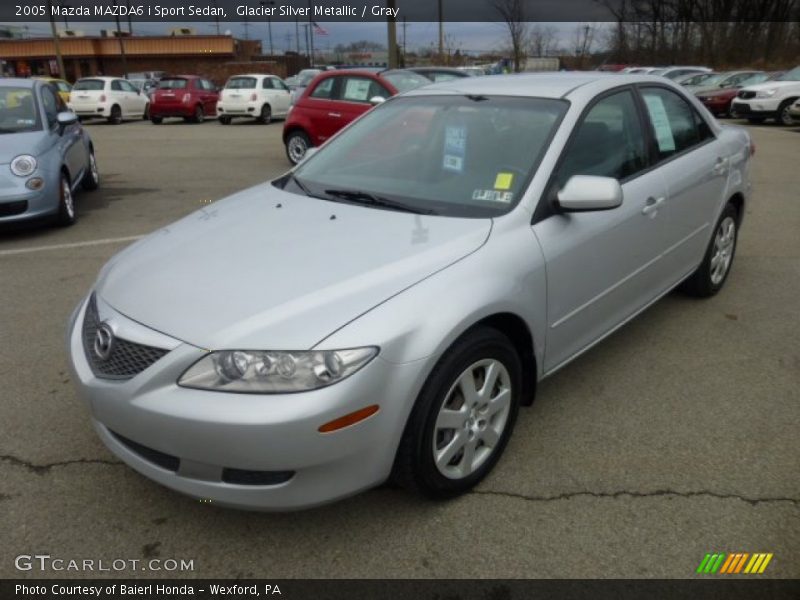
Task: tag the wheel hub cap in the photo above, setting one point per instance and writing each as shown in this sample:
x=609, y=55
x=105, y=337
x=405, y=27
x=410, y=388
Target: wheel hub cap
x=724, y=244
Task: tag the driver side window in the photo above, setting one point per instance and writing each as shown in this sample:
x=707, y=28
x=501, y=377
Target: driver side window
x=608, y=142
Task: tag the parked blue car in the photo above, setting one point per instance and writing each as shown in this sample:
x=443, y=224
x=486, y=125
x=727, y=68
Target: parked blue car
x=45, y=154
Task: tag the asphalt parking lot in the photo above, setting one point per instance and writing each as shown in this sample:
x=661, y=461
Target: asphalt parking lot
x=676, y=437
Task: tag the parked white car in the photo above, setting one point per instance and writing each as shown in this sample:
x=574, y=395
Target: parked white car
x=257, y=96
x=678, y=72
x=111, y=98
x=769, y=100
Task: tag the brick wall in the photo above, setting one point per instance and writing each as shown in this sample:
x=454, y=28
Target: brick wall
x=216, y=70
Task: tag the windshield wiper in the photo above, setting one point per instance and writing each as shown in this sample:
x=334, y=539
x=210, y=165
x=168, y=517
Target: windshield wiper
x=360, y=197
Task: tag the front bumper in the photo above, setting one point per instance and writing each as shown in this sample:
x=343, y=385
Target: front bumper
x=210, y=434
x=18, y=203
x=755, y=107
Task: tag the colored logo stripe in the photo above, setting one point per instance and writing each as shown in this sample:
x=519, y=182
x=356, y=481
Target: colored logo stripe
x=734, y=563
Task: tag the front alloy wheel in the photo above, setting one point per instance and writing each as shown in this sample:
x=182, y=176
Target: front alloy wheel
x=710, y=276
x=66, y=203
x=463, y=416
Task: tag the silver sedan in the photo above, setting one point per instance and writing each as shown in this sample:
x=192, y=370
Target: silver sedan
x=383, y=310
x=45, y=154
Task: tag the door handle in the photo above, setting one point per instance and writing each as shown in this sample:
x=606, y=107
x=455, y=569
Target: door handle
x=651, y=205
x=330, y=114
x=720, y=166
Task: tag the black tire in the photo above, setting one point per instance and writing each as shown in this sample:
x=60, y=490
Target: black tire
x=115, y=117
x=415, y=466
x=156, y=120
x=701, y=283
x=225, y=120
x=146, y=115
x=265, y=117
x=66, y=215
x=756, y=120
x=199, y=115
x=784, y=118
x=297, y=144
x=91, y=179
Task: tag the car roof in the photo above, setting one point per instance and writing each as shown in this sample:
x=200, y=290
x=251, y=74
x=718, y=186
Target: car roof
x=539, y=85
x=182, y=77
x=17, y=82
x=257, y=75
x=100, y=77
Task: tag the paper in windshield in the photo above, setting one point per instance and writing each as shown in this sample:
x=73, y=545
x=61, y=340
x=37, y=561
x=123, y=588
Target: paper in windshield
x=660, y=120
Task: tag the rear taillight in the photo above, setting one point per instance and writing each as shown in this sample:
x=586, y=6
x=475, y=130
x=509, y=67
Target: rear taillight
x=253, y=97
x=103, y=98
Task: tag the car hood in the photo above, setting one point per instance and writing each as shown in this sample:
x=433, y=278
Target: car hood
x=14, y=144
x=767, y=85
x=266, y=269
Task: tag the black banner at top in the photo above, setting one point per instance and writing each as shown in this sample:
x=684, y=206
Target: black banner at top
x=324, y=11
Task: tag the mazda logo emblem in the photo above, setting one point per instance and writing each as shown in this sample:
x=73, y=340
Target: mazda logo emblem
x=103, y=341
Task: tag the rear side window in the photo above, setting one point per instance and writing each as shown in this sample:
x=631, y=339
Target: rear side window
x=609, y=141
x=172, y=84
x=268, y=84
x=675, y=123
x=324, y=89
x=116, y=85
x=241, y=83
x=90, y=85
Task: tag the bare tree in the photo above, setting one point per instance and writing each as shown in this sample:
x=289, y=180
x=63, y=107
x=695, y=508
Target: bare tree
x=584, y=38
x=542, y=40
x=512, y=13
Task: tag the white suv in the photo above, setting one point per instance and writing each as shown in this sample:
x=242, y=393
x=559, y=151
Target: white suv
x=769, y=100
x=260, y=97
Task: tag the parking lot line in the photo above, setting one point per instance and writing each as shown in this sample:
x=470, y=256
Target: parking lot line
x=118, y=240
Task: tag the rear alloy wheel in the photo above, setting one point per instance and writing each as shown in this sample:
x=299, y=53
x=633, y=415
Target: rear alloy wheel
x=116, y=115
x=297, y=144
x=710, y=276
x=199, y=115
x=266, y=115
x=91, y=179
x=225, y=120
x=66, y=203
x=463, y=418
x=784, y=117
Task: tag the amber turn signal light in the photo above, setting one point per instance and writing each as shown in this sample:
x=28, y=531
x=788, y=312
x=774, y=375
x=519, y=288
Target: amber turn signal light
x=349, y=419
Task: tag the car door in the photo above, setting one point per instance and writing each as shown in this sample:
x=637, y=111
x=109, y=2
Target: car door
x=117, y=96
x=67, y=142
x=602, y=266
x=321, y=110
x=695, y=169
x=210, y=96
x=135, y=100
x=284, y=95
x=355, y=93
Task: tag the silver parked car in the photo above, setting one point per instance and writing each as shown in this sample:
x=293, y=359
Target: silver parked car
x=385, y=308
x=45, y=154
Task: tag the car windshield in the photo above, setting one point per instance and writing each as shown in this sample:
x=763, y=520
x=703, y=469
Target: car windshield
x=241, y=83
x=793, y=75
x=465, y=156
x=656, y=72
x=90, y=85
x=172, y=84
x=753, y=79
x=405, y=80
x=18, y=112
x=713, y=80
x=305, y=76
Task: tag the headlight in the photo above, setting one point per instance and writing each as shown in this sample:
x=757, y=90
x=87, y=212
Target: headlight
x=23, y=165
x=274, y=372
x=767, y=93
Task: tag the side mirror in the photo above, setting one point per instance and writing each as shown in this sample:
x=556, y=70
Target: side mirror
x=590, y=192
x=65, y=119
x=375, y=100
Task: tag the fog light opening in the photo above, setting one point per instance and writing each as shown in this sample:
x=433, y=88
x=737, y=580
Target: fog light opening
x=349, y=419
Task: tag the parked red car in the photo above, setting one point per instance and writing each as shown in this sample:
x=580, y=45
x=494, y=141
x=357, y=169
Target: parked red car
x=189, y=97
x=333, y=99
x=718, y=102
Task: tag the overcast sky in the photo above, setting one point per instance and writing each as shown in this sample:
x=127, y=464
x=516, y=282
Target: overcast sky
x=469, y=37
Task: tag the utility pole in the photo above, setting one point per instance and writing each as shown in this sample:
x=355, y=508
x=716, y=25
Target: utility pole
x=269, y=4
x=121, y=47
x=130, y=23
x=310, y=34
x=405, y=25
x=391, y=25
x=297, y=33
x=441, y=31
x=66, y=23
x=216, y=16
x=56, y=41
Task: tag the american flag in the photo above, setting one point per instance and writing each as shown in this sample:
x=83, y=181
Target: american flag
x=319, y=30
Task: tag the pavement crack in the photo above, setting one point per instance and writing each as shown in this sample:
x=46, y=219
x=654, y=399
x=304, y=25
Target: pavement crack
x=45, y=468
x=635, y=494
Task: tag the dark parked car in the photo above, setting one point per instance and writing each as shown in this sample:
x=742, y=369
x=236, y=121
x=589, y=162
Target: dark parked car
x=189, y=97
x=334, y=99
x=718, y=102
x=439, y=74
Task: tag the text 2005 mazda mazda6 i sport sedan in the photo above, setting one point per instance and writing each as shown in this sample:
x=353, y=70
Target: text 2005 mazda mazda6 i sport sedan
x=383, y=310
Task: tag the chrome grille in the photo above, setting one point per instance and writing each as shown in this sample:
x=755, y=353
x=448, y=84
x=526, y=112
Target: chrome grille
x=744, y=94
x=126, y=358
